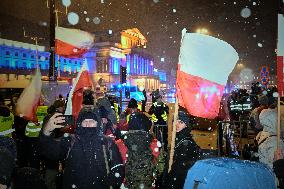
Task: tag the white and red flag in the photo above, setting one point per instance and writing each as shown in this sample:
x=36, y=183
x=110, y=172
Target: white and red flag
x=205, y=63
x=280, y=55
x=75, y=97
x=29, y=99
x=72, y=42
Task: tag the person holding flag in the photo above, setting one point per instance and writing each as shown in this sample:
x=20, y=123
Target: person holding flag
x=186, y=151
x=75, y=98
x=204, y=65
x=30, y=107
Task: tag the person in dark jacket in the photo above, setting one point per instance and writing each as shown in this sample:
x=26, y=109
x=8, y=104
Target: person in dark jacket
x=278, y=167
x=186, y=152
x=92, y=160
x=7, y=165
x=159, y=114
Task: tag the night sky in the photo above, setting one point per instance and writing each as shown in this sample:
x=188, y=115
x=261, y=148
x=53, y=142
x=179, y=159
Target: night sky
x=161, y=22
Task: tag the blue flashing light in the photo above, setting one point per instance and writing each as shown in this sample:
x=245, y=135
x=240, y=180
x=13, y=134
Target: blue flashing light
x=119, y=86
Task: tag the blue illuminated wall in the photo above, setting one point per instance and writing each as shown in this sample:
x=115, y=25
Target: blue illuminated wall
x=139, y=65
x=135, y=65
x=20, y=58
x=162, y=75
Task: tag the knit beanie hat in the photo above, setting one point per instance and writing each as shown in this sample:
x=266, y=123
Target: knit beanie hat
x=88, y=98
x=132, y=103
x=86, y=115
x=263, y=100
x=7, y=165
x=184, y=116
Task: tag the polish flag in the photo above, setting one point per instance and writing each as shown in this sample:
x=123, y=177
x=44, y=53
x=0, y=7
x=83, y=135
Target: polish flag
x=72, y=42
x=75, y=98
x=29, y=99
x=205, y=63
x=280, y=55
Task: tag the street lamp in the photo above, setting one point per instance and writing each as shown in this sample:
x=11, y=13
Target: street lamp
x=202, y=30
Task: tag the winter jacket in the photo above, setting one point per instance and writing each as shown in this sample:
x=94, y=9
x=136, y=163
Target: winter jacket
x=254, y=118
x=267, y=139
x=278, y=167
x=85, y=165
x=159, y=109
x=186, y=153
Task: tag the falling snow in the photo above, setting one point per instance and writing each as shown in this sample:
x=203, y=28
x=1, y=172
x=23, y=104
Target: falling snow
x=73, y=18
x=245, y=12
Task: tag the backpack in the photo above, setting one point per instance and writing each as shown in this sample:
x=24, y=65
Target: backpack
x=139, y=167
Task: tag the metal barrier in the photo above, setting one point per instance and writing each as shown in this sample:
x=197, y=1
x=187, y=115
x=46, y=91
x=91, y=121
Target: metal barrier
x=228, y=130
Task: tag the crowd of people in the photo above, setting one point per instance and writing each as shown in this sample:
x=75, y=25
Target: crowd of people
x=105, y=147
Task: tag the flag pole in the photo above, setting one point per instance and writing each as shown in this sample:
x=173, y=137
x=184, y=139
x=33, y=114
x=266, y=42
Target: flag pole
x=174, y=130
x=278, y=121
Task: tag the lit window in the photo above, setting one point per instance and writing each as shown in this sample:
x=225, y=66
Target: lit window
x=7, y=63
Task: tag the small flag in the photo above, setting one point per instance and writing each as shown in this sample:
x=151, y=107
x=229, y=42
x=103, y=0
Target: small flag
x=280, y=55
x=75, y=97
x=72, y=42
x=29, y=100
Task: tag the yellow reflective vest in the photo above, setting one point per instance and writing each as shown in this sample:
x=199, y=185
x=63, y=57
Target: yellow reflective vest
x=164, y=115
x=6, y=125
x=32, y=130
x=116, y=111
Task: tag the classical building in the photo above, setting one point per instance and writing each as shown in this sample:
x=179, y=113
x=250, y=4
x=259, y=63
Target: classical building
x=18, y=60
x=129, y=53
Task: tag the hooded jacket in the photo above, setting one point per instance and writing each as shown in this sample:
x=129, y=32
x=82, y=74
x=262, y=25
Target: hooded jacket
x=186, y=153
x=85, y=165
x=267, y=139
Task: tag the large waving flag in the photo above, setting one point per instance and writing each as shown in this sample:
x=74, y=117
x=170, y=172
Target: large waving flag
x=28, y=102
x=72, y=42
x=75, y=97
x=280, y=55
x=205, y=63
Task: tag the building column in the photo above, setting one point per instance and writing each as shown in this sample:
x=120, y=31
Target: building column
x=91, y=60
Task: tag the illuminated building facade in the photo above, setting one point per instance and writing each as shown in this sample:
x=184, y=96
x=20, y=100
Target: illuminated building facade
x=128, y=53
x=139, y=66
x=131, y=38
x=18, y=59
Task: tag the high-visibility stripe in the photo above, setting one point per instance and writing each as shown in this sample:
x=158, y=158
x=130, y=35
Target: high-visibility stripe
x=33, y=130
x=9, y=131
